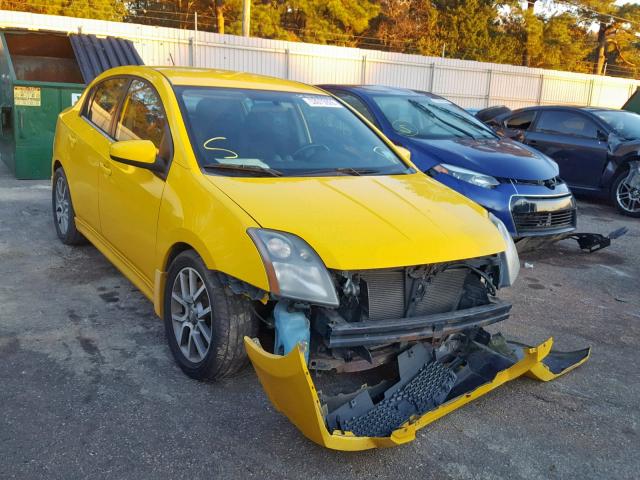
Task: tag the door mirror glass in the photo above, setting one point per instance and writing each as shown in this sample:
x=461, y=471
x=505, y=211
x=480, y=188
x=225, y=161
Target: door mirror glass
x=138, y=153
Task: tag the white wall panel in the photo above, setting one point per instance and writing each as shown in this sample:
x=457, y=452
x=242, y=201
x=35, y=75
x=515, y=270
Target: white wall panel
x=471, y=84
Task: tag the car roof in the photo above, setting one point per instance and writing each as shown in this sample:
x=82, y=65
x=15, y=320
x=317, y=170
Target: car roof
x=209, y=77
x=380, y=89
x=564, y=107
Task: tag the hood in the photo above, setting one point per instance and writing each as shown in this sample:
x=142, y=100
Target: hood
x=499, y=158
x=369, y=221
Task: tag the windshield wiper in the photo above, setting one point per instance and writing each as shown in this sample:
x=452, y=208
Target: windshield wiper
x=464, y=119
x=342, y=170
x=424, y=109
x=252, y=169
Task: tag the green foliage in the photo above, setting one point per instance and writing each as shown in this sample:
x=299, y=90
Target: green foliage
x=582, y=35
x=98, y=9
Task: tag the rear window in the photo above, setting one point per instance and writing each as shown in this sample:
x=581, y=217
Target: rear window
x=521, y=121
x=104, y=102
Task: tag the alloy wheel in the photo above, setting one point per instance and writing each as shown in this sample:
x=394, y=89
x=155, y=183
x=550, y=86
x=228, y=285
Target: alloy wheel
x=62, y=205
x=628, y=197
x=191, y=314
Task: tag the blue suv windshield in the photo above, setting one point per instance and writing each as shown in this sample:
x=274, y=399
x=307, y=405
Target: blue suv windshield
x=426, y=117
x=266, y=133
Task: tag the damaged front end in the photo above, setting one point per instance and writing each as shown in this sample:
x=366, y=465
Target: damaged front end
x=403, y=347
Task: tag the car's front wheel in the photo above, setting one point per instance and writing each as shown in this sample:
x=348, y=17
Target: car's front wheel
x=205, y=324
x=63, y=212
x=625, y=197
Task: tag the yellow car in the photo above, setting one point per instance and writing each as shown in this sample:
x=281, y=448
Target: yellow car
x=267, y=220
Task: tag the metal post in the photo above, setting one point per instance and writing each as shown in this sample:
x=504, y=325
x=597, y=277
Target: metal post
x=591, y=89
x=540, y=91
x=287, y=74
x=489, y=87
x=433, y=78
x=363, y=75
x=246, y=18
x=195, y=41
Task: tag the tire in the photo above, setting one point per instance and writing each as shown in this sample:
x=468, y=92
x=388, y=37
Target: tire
x=197, y=306
x=64, y=216
x=619, y=192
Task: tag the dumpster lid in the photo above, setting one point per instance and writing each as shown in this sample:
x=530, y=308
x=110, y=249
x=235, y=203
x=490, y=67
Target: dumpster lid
x=95, y=55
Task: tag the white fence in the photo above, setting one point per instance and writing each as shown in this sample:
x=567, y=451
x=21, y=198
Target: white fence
x=468, y=83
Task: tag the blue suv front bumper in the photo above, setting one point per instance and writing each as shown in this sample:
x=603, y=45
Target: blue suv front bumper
x=527, y=210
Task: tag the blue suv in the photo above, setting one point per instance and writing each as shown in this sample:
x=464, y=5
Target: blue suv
x=515, y=182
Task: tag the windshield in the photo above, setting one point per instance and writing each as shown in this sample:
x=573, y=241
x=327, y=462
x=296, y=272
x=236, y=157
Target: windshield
x=422, y=116
x=265, y=133
x=625, y=125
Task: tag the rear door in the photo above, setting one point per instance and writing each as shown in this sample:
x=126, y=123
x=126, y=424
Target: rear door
x=571, y=138
x=130, y=196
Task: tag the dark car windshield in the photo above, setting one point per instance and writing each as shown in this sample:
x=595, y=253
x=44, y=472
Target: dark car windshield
x=422, y=116
x=266, y=133
x=625, y=125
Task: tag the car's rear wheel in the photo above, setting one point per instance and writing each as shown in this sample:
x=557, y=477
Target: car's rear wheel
x=205, y=324
x=625, y=197
x=63, y=212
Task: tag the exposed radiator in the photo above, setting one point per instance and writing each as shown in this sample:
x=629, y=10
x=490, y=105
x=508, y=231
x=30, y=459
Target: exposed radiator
x=387, y=292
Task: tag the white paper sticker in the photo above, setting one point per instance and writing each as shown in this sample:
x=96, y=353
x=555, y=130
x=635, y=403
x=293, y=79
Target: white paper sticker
x=249, y=162
x=74, y=98
x=321, y=101
x=26, y=96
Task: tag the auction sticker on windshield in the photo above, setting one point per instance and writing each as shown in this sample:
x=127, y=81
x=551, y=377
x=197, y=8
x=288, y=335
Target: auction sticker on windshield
x=321, y=101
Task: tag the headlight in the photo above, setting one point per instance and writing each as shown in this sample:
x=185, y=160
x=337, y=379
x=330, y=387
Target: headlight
x=469, y=176
x=294, y=269
x=509, y=260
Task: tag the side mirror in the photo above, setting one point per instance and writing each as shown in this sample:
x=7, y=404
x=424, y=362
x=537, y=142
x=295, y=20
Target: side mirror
x=137, y=153
x=406, y=154
x=602, y=137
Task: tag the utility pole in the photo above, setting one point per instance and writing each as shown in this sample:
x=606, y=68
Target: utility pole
x=246, y=18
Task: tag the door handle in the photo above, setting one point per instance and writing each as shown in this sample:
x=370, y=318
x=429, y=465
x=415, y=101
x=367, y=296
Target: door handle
x=105, y=168
x=72, y=140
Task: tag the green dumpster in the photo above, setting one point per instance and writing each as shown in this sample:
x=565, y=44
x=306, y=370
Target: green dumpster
x=39, y=78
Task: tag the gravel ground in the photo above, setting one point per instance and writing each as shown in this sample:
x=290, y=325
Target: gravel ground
x=88, y=387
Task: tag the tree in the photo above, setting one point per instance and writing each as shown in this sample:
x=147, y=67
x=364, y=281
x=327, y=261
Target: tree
x=98, y=9
x=470, y=30
x=407, y=26
x=616, y=35
x=322, y=21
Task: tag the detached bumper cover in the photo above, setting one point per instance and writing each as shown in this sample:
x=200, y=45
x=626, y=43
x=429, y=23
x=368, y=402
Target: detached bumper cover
x=290, y=388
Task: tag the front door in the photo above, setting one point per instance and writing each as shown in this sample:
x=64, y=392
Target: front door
x=89, y=140
x=130, y=196
x=571, y=139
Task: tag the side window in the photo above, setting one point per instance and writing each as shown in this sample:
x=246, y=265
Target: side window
x=566, y=123
x=104, y=102
x=357, y=104
x=520, y=121
x=143, y=118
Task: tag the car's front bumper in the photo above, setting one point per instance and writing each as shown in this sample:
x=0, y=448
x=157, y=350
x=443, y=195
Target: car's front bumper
x=537, y=201
x=290, y=387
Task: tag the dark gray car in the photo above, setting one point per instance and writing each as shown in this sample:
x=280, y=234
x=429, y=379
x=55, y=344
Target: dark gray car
x=597, y=149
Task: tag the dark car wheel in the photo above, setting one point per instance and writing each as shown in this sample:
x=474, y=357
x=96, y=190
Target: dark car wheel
x=64, y=216
x=204, y=323
x=625, y=197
